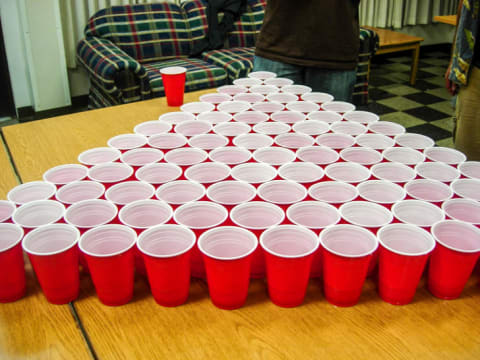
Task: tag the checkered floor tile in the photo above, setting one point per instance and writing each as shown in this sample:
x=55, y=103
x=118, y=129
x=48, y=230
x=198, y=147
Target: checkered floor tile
x=424, y=108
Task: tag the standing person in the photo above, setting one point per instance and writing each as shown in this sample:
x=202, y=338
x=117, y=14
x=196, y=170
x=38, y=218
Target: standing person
x=312, y=42
x=463, y=78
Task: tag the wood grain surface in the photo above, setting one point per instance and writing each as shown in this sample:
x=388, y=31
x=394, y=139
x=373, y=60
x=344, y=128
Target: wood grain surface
x=428, y=328
x=8, y=179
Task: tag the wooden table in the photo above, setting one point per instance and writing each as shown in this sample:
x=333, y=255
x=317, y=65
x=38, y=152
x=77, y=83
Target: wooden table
x=393, y=41
x=446, y=19
x=428, y=328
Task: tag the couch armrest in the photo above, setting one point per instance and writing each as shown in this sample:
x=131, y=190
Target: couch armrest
x=113, y=70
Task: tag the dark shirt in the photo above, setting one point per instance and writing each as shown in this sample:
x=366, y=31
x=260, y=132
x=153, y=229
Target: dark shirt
x=317, y=33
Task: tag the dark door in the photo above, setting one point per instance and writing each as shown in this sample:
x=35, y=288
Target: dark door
x=7, y=106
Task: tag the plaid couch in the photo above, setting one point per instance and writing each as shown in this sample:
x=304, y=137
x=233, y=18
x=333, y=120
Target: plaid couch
x=126, y=46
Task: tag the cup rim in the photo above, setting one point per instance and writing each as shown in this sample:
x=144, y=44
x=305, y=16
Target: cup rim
x=229, y=148
x=103, y=227
x=305, y=165
x=289, y=182
x=368, y=233
x=142, y=137
x=179, y=182
x=383, y=182
x=156, y=151
x=387, y=123
x=239, y=167
x=173, y=70
x=419, y=169
x=90, y=201
x=20, y=237
x=155, y=228
x=99, y=185
x=256, y=203
x=303, y=229
x=276, y=149
x=106, y=165
x=466, y=163
x=428, y=152
x=220, y=165
x=299, y=152
x=80, y=156
x=64, y=166
x=185, y=150
x=429, y=141
x=161, y=165
x=318, y=204
x=137, y=127
x=431, y=182
x=45, y=228
x=200, y=203
x=22, y=186
x=461, y=223
x=215, y=230
x=227, y=182
x=334, y=183
x=425, y=234
x=397, y=164
x=352, y=164
x=33, y=203
x=419, y=202
x=115, y=187
x=366, y=204
x=177, y=135
x=459, y=200
x=12, y=209
x=127, y=207
x=172, y=114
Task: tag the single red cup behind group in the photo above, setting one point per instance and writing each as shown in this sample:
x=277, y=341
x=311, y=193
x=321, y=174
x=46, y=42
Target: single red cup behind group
x=174, y=84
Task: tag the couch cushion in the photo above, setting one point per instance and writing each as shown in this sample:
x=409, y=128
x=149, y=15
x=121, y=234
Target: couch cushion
x=200, y=75
x=245, y=29
x=237, y=62
x=148, y=32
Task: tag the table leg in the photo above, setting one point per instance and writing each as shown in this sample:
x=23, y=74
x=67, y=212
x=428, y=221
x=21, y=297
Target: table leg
x=415, y=57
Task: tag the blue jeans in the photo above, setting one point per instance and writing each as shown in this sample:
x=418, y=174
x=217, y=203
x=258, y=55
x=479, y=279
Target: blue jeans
x=338, y=83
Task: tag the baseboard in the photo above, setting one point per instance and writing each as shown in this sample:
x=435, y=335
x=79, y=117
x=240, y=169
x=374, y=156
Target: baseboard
x=27, y=113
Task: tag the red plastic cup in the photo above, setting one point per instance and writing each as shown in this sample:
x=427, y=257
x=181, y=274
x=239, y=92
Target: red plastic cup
x=374, y=141
x=141, y=215
x=200, y=216
x=335, y=193
x=417, y=212
x=462, y=210
x=180, y=192
x=52, y=250
x=274, y=156
x=414, y=141
x=227, y=253
x=249, y=97
x=231, y=129
x=261, y=75
x=150, y=128
x=6, y=211
x=393, y=172
x=193, y=127
x=110, y=173
x=208, y=172
x=470, y=169
x=124, y=142
x=404, y=251
x=362, y=156
x=185, y=157
x=320, y=155
x=231, y=193
x=176, y=117
x=311, y=127
x=381, y=192
x=289, y=251
x=340, y=107
x=348, y=172
x=335, y=141
x=347, y=254
x=173, y=79
x=12, y=272
x=317, y=97
x=304, y=173
x=445, y=155
x=453, y=260
x=282, y=192
x=428, y=190
x=129, y=191
x=137, y=158
x=230, y=155
x=328, y=117
x=88, y=214
x=99, y=155
x=252, y=141
x=157, y=174
x=108, y=250
x=437, y=171
x=361, y=117
x=278, y=82
x=288, y=116
x=294, y=141
x=31, y=191
x=208, y=141
x=298, y=90
x=268, y=107
x=166, y=252
x=263, y=89
x=37, y=213
x=247, y=82
x=316, y=216
x=404, y=155
x=78, y=191
x=250, y=117
x=197, y=107
x=466, y=188
x=254, y=173
x=257, y=216
x=64, y=174
x=283, y=98
x=215, y=98
x=165, y=142
x=387, y=128
x=232, y=89
x=214, y=117
x=234, y=106
x=348, y=128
